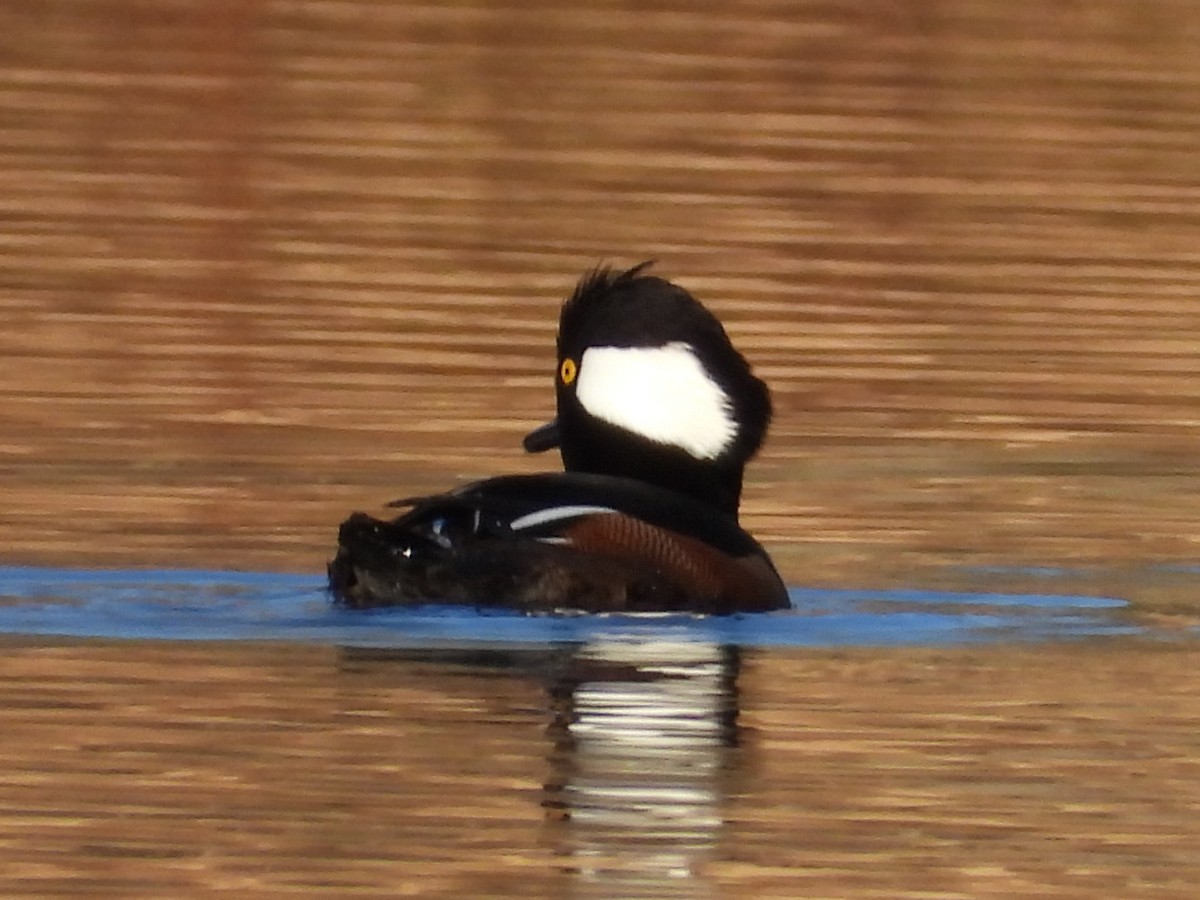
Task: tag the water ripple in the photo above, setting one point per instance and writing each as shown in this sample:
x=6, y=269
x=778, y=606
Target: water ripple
x=181, y=604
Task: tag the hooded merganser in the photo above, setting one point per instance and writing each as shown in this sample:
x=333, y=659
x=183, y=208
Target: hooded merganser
x=657, y=416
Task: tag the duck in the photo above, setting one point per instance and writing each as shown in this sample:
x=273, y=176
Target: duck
x=657, y=415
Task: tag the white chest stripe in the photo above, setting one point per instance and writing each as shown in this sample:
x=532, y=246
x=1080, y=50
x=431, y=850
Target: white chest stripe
x=661, y=393
x=555, y=514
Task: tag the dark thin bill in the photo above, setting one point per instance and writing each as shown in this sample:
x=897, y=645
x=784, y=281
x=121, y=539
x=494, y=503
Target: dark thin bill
x=541, y=439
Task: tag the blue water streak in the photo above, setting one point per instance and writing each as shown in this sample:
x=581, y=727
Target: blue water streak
x=170, y=604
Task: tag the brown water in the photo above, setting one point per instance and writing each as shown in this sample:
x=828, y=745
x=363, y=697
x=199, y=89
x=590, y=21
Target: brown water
x=262, y=263
x=165, y=770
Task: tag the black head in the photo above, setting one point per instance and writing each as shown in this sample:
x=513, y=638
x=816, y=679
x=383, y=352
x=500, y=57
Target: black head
x=649, y=387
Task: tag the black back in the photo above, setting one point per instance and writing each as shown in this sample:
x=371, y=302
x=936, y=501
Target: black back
x=503, y=500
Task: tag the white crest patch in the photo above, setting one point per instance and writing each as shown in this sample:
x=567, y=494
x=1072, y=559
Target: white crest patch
x=661, y=393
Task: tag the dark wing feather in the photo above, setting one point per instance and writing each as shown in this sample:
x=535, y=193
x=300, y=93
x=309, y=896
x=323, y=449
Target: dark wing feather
x=512, y=497
x=556, y=541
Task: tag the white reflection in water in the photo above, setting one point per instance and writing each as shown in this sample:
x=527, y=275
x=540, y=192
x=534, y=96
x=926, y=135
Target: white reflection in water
x=648, y=727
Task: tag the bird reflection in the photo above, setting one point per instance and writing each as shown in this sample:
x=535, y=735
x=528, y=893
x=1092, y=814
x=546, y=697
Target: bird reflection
x=642, y=735
x=642, y=732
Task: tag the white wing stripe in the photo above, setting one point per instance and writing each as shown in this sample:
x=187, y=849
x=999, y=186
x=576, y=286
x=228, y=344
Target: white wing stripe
x=555, y=514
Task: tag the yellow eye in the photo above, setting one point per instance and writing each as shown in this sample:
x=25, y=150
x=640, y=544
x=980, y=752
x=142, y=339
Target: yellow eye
x=567, y=371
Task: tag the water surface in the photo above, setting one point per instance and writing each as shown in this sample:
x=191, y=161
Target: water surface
x=263, y=263
x=613, y=760
x=213, y=605
x=178, y=732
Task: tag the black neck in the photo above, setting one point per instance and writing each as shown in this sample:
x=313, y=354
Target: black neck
x=604, y=449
